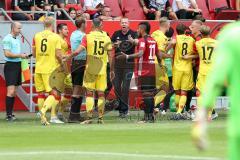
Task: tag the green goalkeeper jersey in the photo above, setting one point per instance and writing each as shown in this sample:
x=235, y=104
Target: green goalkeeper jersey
x=226, y=70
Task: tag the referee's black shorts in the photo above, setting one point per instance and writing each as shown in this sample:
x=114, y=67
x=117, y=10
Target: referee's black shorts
x=12, y=73
x=77, y=71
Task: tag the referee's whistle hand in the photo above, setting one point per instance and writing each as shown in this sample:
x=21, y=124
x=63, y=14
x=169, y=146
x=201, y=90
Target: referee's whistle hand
x=23, y=55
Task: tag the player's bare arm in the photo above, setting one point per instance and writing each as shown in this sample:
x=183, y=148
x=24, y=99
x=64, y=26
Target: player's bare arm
x=9, y=54
x=171, y=45
x=135, y=55
x=192, y=56
x=132, y=40
x=75, y=53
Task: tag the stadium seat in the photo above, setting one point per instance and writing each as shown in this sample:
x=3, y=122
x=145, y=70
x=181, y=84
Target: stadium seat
x=114, y=5
x=8, y=5
x=203, y=6
x=219, y=9
x=233, y=4
x=133, y=9
x=77, y=7
x=171, y=2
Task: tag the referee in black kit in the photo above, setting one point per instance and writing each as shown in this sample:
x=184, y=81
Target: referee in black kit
x=123, y=69
x=12, y=67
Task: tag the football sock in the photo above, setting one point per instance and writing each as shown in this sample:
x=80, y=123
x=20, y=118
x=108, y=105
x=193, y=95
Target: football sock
x=76, y=105
x=177, y=98
x=159, y=97
x=101, y=104
x=149, y=102
x=9, y=105
x=40, y=101
x=182, y=102
x=89, y=106
x=50, y=103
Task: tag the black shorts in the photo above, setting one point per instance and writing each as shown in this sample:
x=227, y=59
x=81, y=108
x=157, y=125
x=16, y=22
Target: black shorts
x=151, y=16
x=13, y=73
x=77, y=71
x=147, y=83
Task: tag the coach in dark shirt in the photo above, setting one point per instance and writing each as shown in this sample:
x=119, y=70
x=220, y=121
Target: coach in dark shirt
x=123, y=69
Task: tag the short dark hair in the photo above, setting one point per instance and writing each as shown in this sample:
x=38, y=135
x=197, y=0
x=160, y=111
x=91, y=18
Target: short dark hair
x=97, y=22
x=181, y=28
x=200, y=18
x=71, y=9
x=170, y=32
x=60, y=26
x=79, y=22
x=146, y=26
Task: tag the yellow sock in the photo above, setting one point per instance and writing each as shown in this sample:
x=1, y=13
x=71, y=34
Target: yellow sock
x=64, y=102
x=159, y=97
x=101, y=105
x=50, y=103
x=182, y=102
x=40, y=103
x=54, y=108
x=177, y=98
x=210, y=110
x=89, y=106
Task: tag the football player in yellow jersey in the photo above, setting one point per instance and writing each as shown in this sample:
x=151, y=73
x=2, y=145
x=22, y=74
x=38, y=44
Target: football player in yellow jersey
x=62, y=30
x=205, y=49
x=161, y=74
x=182, y=68
x=98, y=46
x=47, y=51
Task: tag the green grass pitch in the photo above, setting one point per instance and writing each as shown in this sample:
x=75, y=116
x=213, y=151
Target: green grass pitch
x=26, y=139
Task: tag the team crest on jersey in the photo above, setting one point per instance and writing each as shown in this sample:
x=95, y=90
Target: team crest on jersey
x=142, y=44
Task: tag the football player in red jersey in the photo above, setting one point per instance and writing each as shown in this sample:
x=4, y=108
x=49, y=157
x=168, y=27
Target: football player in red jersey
x=148, y=56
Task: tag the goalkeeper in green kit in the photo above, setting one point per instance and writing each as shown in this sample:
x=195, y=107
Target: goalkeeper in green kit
x=226, y=68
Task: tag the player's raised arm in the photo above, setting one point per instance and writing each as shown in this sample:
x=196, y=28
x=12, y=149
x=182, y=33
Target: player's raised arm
x=171, y=45
x=141, y=46
x=80, y=48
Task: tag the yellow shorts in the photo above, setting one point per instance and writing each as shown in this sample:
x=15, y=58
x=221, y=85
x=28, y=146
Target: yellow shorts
x=182, y=80
x=95, y=82
x=161, y=76
x=42, y=82
x=201, y=80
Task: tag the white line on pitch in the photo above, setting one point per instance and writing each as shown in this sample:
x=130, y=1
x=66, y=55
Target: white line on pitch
x=177, y=157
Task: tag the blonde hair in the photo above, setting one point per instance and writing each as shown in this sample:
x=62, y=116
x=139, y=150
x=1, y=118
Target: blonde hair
x=205, y=30
x=199, y=22
x=48, y=22
x=163, y=21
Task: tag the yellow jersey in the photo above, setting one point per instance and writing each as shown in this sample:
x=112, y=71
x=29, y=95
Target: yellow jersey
x=64, y=45
x=42, y=18
x=184, y=46
x=162, y=42
x=46, y=43
x=205, y=48
x=97, y=44
x=161, y=39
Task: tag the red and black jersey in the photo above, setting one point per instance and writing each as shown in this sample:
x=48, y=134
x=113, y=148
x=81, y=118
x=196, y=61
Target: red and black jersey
x=146, y=63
